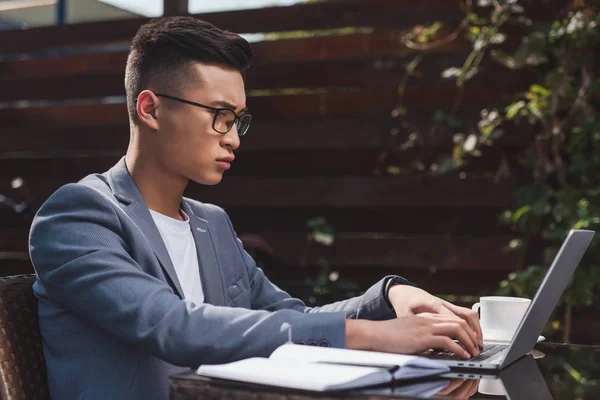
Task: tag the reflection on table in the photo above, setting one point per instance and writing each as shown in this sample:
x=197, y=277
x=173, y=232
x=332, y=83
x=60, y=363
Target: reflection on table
x=557, y=372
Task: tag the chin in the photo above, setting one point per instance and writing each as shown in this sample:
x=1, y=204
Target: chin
x=208, y=180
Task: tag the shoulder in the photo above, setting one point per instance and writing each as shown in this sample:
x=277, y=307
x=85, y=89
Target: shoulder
x=84, y=201
x=88, y=192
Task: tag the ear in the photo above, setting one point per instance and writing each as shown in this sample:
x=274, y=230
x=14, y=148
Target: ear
x=146, y=106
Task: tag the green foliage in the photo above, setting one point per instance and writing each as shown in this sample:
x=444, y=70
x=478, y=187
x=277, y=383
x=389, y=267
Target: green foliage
x=561, y=110
x=329, y=285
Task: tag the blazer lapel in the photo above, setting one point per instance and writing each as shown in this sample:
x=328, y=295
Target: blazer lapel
x=125, y=188
x=210, y=274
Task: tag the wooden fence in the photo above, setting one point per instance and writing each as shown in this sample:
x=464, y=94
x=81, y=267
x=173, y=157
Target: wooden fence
x=307, y=155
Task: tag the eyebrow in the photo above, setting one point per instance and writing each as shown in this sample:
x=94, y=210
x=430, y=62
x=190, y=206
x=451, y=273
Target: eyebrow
x=228, y=105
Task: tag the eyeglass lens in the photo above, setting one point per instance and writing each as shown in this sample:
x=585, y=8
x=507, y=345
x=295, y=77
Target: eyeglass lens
x=224, y=121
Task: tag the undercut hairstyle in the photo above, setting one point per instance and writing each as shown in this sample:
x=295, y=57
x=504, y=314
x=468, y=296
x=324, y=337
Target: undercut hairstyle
x=164, y=49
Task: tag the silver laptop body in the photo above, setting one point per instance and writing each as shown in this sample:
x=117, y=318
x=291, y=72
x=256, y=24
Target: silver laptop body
x=539, y=311
x=513, y=379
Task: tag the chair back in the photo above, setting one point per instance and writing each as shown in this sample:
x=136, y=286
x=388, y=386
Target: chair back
x=22, y=364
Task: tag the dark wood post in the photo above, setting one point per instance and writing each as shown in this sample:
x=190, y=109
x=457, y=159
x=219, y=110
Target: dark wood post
x=175, y=7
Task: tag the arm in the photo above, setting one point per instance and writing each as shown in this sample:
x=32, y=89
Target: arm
x=84, y=264
x=371, y=318
x=372, y=305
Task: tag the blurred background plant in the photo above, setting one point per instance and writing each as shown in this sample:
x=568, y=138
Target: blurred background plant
x=328, y=285
x=557, y=176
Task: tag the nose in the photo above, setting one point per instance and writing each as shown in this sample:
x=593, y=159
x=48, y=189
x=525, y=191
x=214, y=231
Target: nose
x=231, y=138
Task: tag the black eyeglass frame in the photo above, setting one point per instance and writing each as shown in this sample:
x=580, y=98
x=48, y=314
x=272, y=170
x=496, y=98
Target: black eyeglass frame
x=216, y=110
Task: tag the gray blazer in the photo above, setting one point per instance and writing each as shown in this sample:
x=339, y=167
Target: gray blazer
x=112, y=318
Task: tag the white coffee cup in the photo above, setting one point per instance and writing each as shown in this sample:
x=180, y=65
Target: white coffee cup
x=500, y=316
x=492, y=387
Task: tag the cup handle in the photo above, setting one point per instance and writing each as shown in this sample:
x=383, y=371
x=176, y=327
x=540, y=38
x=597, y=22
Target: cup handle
x=476, y=307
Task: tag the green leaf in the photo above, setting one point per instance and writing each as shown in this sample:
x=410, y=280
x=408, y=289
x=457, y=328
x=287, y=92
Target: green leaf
x=520, y=213
x=514, y=109
x=439, y=117
x=452, y=72
x=539, y=90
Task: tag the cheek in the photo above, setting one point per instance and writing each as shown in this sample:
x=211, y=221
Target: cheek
x=186, y=135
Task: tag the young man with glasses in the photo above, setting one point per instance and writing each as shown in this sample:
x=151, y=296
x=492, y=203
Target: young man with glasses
x=136, y=283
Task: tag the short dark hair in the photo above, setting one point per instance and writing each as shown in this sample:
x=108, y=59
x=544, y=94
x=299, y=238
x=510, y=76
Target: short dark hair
x=164, y=48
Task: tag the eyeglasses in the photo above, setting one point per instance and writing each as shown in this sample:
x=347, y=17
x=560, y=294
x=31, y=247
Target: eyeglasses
x=224, y=118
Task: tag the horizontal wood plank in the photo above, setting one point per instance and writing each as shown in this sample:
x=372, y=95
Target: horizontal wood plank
x=400, y=191
x=368, y=103
x=283, y=192
x=399, y=220
x=317, y=16
x=481, y=223
x=463, y=282
x=330, y=47
x=353, y=252
x=69, y=140
x=367, y=73
x=274, y=135
x=294, y=250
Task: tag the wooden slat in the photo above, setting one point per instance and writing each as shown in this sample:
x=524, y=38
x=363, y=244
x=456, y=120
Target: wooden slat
x=586, y=326
x=410, y=221
x=456, y=282
x=363, y=250
x=400, y=191
x=321, y=15
x=9, y=267
x=459, y=282
x=175, y=7
x=340, y=104
x=419, y=256
x=481, y=223
x=342, y=191
x=381, y=72
x=292, y=134
x=356, y=45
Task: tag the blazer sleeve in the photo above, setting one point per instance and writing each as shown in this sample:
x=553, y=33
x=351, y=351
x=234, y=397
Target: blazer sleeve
x=84, y=264
x=372, y=305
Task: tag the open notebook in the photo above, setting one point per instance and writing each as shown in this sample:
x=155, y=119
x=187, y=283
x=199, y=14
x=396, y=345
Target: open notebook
x=323, y=368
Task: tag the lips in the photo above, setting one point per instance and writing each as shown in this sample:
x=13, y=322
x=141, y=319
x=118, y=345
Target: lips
x=225, y=163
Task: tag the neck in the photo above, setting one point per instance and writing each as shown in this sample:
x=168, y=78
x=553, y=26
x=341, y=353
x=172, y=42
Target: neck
x=161, y=188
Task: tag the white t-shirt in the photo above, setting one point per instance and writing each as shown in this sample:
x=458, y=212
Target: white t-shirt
x=178, y=238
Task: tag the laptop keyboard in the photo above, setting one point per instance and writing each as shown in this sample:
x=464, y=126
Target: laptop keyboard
x=488, y=351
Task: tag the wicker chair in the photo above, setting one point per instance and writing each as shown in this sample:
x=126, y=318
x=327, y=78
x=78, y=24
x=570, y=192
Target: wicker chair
x=22, y=365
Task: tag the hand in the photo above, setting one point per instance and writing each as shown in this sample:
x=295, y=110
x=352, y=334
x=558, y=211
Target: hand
x=460, y=388
x=409, y=300
x=413, y=334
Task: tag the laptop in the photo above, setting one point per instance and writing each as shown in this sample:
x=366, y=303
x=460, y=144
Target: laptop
x=509, y=381
x=495, y=356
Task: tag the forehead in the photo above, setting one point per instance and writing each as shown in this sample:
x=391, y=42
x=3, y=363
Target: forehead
x=216, y=83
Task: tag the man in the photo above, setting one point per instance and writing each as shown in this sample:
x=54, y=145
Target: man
x=136, y=283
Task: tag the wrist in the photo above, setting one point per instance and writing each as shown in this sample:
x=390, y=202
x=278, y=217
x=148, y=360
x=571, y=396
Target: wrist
x=358, y=334
x=391, y=282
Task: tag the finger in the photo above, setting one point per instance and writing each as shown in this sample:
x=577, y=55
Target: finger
x=453, y=319
x=465, y=390
x=458, y=330
x=445, y=343
x=470, y=316
x=474, y=387
x=452, y=385
x=468, y=325
x=447, y=309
